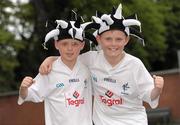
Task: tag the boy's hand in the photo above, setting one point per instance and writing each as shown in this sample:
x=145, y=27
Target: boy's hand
x=158, y=86
x=27, y=82
x=44, y=68
x=158, y=82
x=46, y=65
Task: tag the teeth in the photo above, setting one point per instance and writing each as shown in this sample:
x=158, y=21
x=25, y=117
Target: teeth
x=69, y=54
x=113, y=49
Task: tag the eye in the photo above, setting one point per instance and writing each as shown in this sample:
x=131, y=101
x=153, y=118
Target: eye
x=75, y=44
x=64, y=43
x=108, y=38
x=119, y=39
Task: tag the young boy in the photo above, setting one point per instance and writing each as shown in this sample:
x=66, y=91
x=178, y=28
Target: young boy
x=121, y=82
x=66, y=90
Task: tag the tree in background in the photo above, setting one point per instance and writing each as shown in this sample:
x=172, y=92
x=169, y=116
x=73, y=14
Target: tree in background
x=30, y=29
x=9, y=47
x=149, y=13
x=172, y=35
x=151, y=16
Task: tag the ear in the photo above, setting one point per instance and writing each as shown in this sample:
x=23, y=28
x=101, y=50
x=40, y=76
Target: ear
x=56, y=45
x=82, y=45
x=98, y=38
x=127, y=40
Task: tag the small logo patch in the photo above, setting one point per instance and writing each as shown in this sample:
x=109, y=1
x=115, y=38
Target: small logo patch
x=109, y=94
x=125, y=88
x=73, y=80
x=59, y=85
x=76, y=94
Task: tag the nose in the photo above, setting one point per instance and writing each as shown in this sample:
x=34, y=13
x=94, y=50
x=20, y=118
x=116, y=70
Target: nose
x=69, y=47
x=113, y=42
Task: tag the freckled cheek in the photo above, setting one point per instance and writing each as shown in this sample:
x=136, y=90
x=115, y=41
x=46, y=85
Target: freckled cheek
x=77, y=50
x=106, y=44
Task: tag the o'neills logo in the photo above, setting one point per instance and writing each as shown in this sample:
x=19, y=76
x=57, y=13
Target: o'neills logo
x=73, y=80
x=75, y=102
x=110, y=101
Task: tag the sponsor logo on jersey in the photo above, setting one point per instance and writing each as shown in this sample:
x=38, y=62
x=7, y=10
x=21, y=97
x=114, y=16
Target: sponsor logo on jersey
x=109, y=94
x=73, y=80
x=110, y=101
x=110, y=80
x=75, y=102
x=125, y=88
x=76, y=94
x=59, y=85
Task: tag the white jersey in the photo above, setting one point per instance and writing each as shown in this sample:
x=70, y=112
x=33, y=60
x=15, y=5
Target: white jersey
x=119, y=91
x=66, y=94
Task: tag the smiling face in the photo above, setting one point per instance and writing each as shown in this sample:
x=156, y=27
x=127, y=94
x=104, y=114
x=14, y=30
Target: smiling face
x=69, y=49
x=113, y=43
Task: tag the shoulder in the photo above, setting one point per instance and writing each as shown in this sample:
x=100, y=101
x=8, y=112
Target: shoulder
x=83, y=69
x=133, y=62
x=57, y=65
x=89, y=57
x=133, y=59
x=90, y=54
x=82, y=66
x=137, y=65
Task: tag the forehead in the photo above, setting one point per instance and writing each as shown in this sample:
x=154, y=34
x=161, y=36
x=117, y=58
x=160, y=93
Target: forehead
x=116, y=33
x=69, y=41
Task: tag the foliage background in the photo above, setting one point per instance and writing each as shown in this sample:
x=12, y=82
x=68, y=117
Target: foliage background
x=22, y=31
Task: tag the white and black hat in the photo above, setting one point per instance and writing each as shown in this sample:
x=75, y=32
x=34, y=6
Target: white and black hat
x=65, y=30
x=115, y=20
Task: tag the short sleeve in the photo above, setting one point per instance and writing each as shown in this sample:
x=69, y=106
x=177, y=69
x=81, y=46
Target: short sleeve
x=145, y=84
x=38, y=91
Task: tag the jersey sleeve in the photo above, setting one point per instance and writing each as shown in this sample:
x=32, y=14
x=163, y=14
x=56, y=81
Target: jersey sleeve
x=145, y=84
x=38, y=91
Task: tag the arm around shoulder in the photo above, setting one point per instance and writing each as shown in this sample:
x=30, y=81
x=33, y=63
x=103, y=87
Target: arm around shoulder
x=46, y=65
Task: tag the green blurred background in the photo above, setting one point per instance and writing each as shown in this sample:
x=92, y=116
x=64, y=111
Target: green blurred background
x=22, y=31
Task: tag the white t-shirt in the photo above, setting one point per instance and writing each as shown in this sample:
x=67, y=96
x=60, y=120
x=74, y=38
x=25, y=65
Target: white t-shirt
x=119, y=91
x=66, y=94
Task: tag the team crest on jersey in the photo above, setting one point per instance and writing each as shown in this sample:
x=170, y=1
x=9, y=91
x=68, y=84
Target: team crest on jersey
x=125, y=88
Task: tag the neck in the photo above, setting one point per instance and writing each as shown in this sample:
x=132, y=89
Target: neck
x=69, y=64
x=113, y=61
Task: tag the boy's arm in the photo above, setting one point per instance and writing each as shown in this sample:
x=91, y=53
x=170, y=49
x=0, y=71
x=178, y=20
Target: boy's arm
x=25, y=84
x=158, y=86
x=149, y=88
x=46, y=65
x=34, y=90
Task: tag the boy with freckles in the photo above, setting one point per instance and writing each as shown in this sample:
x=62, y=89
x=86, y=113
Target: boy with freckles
x=66, y=90
x=120, y=81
